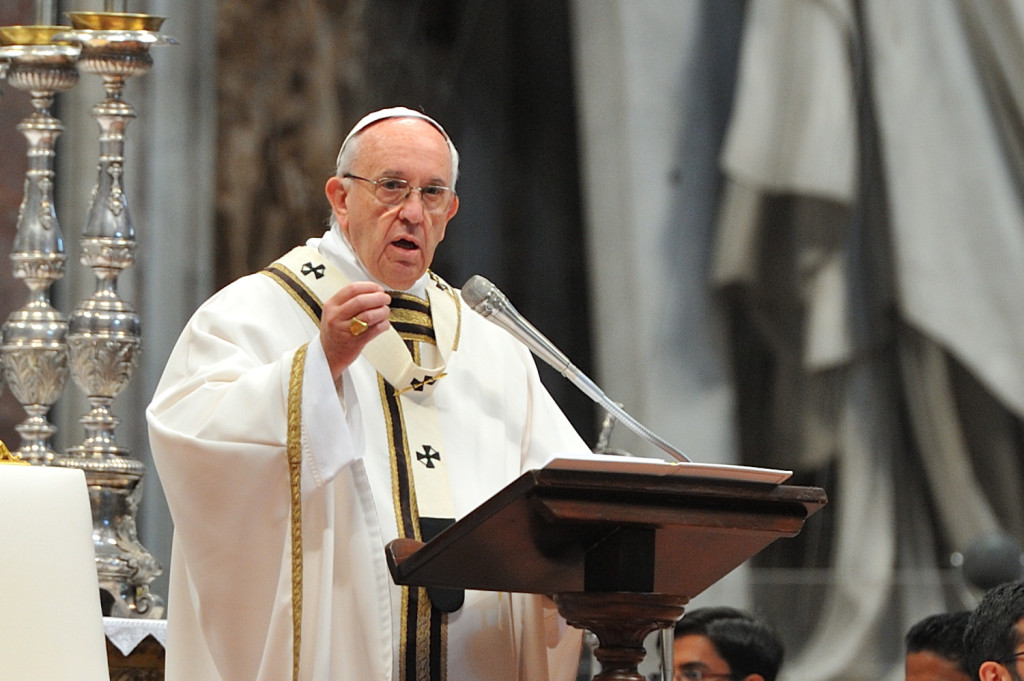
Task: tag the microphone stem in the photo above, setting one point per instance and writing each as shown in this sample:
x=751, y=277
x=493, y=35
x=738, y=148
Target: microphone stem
x=487, y=300
x=589, y=388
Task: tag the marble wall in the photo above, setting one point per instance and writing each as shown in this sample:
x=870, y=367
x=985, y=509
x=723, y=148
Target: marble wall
x=285, y=77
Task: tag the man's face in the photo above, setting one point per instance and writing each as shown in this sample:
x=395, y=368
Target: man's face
x=395, y=243
x=1008, y=669
x=924, y=665
x=694, y=656
x=1014, y=665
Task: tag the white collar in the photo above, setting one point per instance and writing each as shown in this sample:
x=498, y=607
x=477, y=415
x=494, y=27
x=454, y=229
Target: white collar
x=337, y=249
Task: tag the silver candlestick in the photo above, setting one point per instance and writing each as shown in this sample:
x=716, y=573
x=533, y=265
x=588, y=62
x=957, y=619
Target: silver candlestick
x=34, y=351
x=104, y=339
x=3, y=74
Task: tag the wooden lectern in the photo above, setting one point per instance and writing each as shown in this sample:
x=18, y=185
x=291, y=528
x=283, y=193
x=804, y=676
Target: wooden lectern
x=621, y=551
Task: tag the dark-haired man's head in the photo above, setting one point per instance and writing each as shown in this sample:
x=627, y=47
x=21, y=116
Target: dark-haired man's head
x=725, y=643
x=994, y=640
x=935, y=648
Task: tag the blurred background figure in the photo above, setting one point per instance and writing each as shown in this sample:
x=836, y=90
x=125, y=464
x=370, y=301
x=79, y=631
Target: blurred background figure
x=994, y=640
x=723, y=642
x=935, y=648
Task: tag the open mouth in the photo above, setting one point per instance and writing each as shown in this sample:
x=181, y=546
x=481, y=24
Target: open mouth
x=405, y=244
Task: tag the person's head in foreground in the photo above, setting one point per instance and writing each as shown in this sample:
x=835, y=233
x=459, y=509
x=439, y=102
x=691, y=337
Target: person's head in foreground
x=994, y=640
x=935, y=648
x=725, y=643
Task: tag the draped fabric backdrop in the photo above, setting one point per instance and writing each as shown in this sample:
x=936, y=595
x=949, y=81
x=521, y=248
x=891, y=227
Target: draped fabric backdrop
x=655, y=86
x=867, y=261
x=788, y=231
x=876, y=201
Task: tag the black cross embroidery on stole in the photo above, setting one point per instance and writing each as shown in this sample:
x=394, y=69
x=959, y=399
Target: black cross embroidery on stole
x=317, y=271
x=418, y=385
x=428, y=456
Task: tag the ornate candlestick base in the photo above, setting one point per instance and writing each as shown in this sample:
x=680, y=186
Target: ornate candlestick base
x=124, y=567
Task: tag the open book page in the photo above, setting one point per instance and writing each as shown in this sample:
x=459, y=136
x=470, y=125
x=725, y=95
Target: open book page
x=631, y=464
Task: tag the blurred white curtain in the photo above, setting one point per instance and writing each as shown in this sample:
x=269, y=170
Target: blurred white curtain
x=866, y=253
x=889, y=130
x=651, y=104
x=654, y=80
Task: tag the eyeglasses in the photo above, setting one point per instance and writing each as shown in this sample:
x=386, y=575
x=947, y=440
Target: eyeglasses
x=696, y=674
x=392, y=191
x=1011, y=658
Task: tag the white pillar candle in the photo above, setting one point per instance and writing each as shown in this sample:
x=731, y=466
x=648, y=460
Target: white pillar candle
x=51, y=625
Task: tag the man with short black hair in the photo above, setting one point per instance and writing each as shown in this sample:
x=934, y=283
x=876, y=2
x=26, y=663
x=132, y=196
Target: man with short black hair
x=994, y=639
x=935, y=648
x=725, y=643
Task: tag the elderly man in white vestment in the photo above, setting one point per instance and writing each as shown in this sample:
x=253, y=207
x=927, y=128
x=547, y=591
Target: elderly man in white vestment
x=340, y=398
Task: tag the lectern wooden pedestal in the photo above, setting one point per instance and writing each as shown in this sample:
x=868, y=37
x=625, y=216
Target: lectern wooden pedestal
x=621, y=553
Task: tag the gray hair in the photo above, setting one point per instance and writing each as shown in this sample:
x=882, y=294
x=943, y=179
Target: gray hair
x=350, y=147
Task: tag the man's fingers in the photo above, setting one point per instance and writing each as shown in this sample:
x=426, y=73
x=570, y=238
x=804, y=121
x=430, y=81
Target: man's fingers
x=352, y=317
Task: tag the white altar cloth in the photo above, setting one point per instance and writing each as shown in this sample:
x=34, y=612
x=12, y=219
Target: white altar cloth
x=126, y=634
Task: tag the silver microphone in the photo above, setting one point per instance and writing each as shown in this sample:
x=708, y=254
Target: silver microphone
x=489, y=302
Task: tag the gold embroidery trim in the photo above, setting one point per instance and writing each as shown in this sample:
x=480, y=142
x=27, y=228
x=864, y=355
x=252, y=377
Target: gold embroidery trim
x=390, y=423
x=295, y=483
x=282, y=275
x=429, y=380
x=443, y=285
x=422, y=635
x=417, y=338
x=396, y=500
x=406, y=316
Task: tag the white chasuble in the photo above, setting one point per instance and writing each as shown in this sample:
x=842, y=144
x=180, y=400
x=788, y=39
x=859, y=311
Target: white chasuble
x=219, y=431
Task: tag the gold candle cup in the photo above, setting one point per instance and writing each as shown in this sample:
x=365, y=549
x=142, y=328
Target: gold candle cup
x=114, y=21
x=29, y=35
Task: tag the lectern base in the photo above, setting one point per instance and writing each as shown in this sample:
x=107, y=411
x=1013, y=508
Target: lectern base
x=621, y=621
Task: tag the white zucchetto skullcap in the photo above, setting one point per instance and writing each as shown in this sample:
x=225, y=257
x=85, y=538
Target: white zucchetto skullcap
x=394, y=112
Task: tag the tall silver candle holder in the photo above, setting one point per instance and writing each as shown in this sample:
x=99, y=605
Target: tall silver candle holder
x=3, y=74
x=104, y=339
x=33, y=348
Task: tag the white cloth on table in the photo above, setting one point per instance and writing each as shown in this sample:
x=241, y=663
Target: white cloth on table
x=126, y=633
